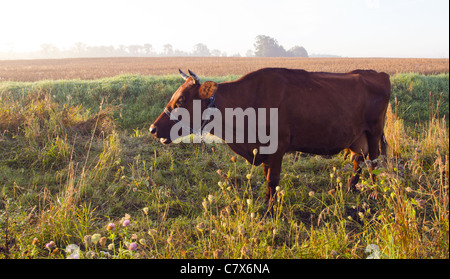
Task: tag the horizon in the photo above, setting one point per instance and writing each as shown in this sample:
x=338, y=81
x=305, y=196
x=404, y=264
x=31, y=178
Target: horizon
x=348, y=28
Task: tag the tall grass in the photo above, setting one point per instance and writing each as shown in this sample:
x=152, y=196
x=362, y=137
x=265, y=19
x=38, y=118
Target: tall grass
x=78, y=167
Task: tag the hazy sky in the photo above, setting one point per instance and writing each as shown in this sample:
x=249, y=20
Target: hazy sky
x=354, y=28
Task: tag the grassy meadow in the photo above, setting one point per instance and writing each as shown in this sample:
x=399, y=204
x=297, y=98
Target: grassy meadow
x=81, y=177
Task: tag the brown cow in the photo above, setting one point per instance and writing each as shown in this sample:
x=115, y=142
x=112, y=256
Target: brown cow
x=318, y=113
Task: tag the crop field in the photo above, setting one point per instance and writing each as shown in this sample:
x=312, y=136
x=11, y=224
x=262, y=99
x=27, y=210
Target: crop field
x=94, y=68
x=81, y=177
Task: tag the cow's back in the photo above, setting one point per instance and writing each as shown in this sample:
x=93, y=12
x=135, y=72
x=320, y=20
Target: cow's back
x=323, y=113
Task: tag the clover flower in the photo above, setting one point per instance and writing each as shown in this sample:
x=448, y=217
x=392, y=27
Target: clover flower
x=126, y=223
x=111, y=226
x=132, y=247
x=50, y=245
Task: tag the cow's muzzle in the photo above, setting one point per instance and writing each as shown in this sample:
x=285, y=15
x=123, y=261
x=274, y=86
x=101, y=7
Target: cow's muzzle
x=154, y=131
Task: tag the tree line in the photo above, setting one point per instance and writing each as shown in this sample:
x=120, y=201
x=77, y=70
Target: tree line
x=264, y=46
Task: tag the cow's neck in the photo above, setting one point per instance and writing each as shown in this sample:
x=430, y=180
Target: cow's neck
x=227, y=96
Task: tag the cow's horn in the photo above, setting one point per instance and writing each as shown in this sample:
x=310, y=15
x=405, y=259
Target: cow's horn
x=196, y=78
x=183, y=75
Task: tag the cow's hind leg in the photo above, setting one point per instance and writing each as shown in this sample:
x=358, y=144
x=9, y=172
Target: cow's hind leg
x=374, y=152
x=358, y=161
x=359, y=149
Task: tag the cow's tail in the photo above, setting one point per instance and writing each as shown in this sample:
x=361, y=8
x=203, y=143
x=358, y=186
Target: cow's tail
x=383, y=145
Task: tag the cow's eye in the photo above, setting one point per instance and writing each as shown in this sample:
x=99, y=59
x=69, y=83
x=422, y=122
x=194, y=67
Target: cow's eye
x=180, y=101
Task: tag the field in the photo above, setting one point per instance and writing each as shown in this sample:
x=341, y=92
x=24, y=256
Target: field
x=81, y=177
x=94, y=68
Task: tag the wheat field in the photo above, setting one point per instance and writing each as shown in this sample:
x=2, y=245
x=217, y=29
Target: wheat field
x=93, y=68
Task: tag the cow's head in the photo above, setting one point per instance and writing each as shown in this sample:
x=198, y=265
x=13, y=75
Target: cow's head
x=182, y=98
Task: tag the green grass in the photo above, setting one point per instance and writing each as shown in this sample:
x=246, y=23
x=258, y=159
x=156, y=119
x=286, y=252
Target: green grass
x=76, y=156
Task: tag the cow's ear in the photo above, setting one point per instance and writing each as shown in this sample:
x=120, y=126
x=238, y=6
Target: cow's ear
x=207, y=89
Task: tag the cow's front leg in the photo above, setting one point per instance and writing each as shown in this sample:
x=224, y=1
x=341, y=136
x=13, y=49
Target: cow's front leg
x=272, y=171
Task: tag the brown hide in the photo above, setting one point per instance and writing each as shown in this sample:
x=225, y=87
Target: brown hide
x=318, y=113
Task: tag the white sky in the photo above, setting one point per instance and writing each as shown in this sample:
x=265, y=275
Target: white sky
x=354, y=28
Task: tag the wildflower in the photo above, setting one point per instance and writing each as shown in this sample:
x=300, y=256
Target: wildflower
x=334, y=253
x=210, y=198
x=255, y=151
x=252, y=215
x=249, y=176
x=361, y=215
x=111, y=226
x=95, y=238
x=225, y=212
x=87, y=240
x=281, y=193
x=233, y=159
x=127, y=216
x=241, y=230
x=220, y=183
x=132, y=247
x=408, y=189
x=200, y=226
x=275, y=231
x=75, y=256
x=269, y=250
x=205, y=204
x=102, y=241
x=72, y=251
x=218, y=253
x=249, y=202
x=35, y=241
x=145, y=209
x=246, y=251
x=311, y=193
x=331, y=175
x=50, y=245
x=91, y=255
x=338, y=179
x=278, y=188
x=126, y=223
x=134, y=236
x=111, y=246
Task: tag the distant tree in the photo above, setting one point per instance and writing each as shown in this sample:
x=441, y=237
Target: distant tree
x=168, y=50
x=134, y=50
x=201, y=50
x=266, y=46
x=297, y=51
x=216, y=52
x=78, y=49
x=148, y=49
x=49, y=50
x=122, y=50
